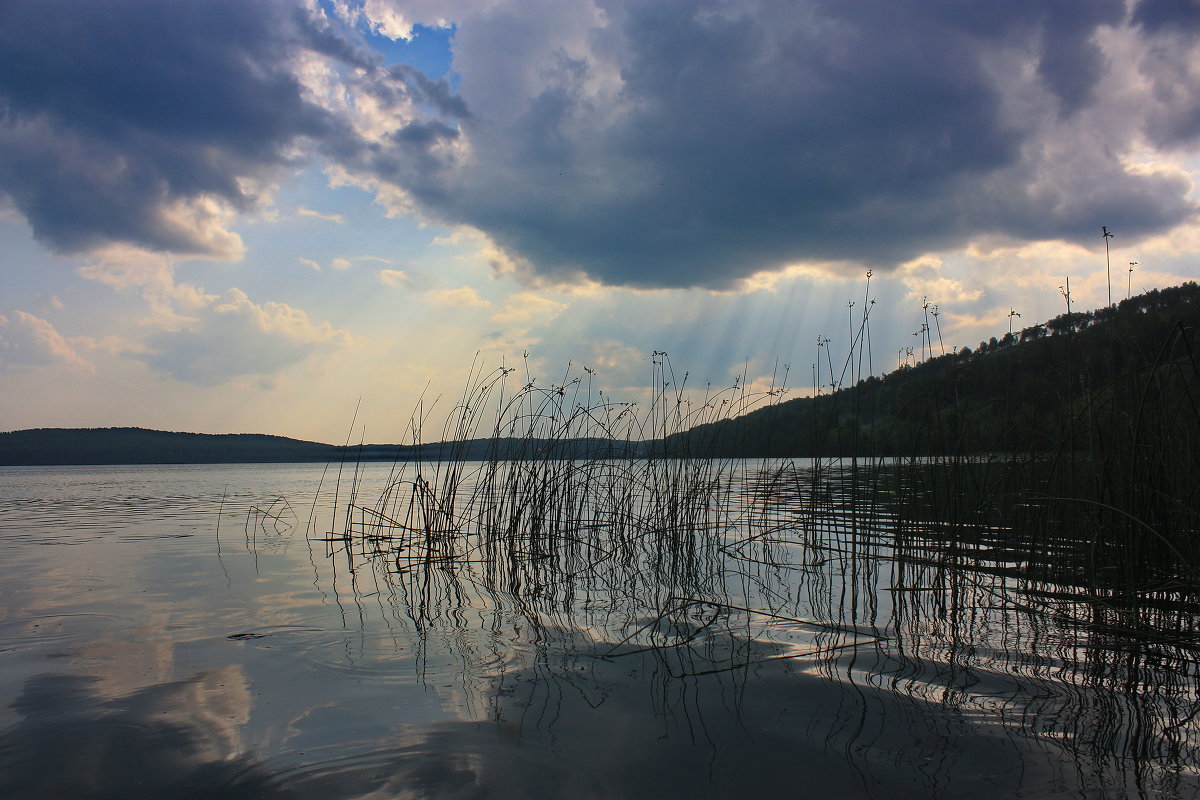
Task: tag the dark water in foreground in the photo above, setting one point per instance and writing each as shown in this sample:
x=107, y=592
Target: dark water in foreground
x=148, y=651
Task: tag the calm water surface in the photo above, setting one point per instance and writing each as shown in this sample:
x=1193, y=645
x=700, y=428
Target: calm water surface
x=195, y=631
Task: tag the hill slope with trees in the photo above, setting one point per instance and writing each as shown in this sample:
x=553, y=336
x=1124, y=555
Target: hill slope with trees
x=1074, y=381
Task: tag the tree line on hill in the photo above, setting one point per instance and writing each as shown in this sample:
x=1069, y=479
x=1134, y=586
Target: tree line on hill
x=96, y=446
x=1074, y=381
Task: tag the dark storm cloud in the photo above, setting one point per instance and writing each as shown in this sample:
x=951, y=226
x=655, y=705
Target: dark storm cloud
x=643, y=142
x=1168, y=15
x=1167, y=64
x=435, y=93
x=748, y=135
x=113, y=113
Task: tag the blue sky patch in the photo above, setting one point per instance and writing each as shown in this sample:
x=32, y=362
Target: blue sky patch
x=428, y=50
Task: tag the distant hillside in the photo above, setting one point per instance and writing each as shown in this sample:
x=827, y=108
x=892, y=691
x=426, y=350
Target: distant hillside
x=1070, y=382
x=45, y=446
x=83, y=446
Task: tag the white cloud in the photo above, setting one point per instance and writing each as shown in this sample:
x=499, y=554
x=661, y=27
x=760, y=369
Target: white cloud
x=387, y=20
x=339, y=264
x=925, y=281
x=237, y=337
x=51, y=302
x=526, y=307
x=617, y=365
x=29, y=341
x=394, y=201
x=278, y=318
x=462, y=297
x=202, y=337
x=308, y=212
x=395, y=278
x=201, y=226
x=109, y=345
x=130, y=269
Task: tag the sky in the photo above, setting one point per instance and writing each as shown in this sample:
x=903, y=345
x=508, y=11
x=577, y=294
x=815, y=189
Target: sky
x=312, y=217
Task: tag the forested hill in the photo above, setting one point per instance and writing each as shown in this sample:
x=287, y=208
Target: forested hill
x=46, y=446
x=1070, y=382
x=84, y=446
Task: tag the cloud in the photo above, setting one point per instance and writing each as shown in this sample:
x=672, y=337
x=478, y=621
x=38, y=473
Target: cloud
x=338, y=264
x=926, y=281
x=194, y=335
x=149, y=123
x=127, y=268
x=1168, y=16
x=625, y=142
x=527, y=307
x=308, y=212
x=395, y=278
x=617, y=364
x=386, y=21
x=865, y=132
x=415, y=281
x=109, y=345
x=130, y=269
x=29, y=341
x=235, y=337
x=462, y=297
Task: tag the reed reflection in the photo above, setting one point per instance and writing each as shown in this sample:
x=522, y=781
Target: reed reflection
x=700, y=585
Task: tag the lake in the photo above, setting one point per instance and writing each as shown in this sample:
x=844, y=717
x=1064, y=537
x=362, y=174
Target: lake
x=745, y=629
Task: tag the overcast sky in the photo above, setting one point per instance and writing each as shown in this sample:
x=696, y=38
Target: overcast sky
x=230, y=216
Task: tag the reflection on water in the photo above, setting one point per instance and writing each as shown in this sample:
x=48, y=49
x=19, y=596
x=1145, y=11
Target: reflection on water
x=773, y=634
x=178, y=738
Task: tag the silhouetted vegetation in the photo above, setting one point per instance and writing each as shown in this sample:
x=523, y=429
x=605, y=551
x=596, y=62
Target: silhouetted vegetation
x=1062, y=459
x=1026, y=509
x=61, y=446
x=96, y=446
x=1078, y=381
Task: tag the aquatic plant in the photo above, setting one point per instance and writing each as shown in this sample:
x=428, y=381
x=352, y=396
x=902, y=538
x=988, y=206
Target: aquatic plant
x=1081, y=468
x=1038, y=537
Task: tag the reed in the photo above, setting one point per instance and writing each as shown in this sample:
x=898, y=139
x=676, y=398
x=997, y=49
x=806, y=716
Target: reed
x=544, y=486
x=546, y=491
x=1039, y=536
x=1100, y=496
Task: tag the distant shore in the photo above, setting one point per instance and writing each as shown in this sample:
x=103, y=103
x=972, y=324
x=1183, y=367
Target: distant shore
x=100, y=446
